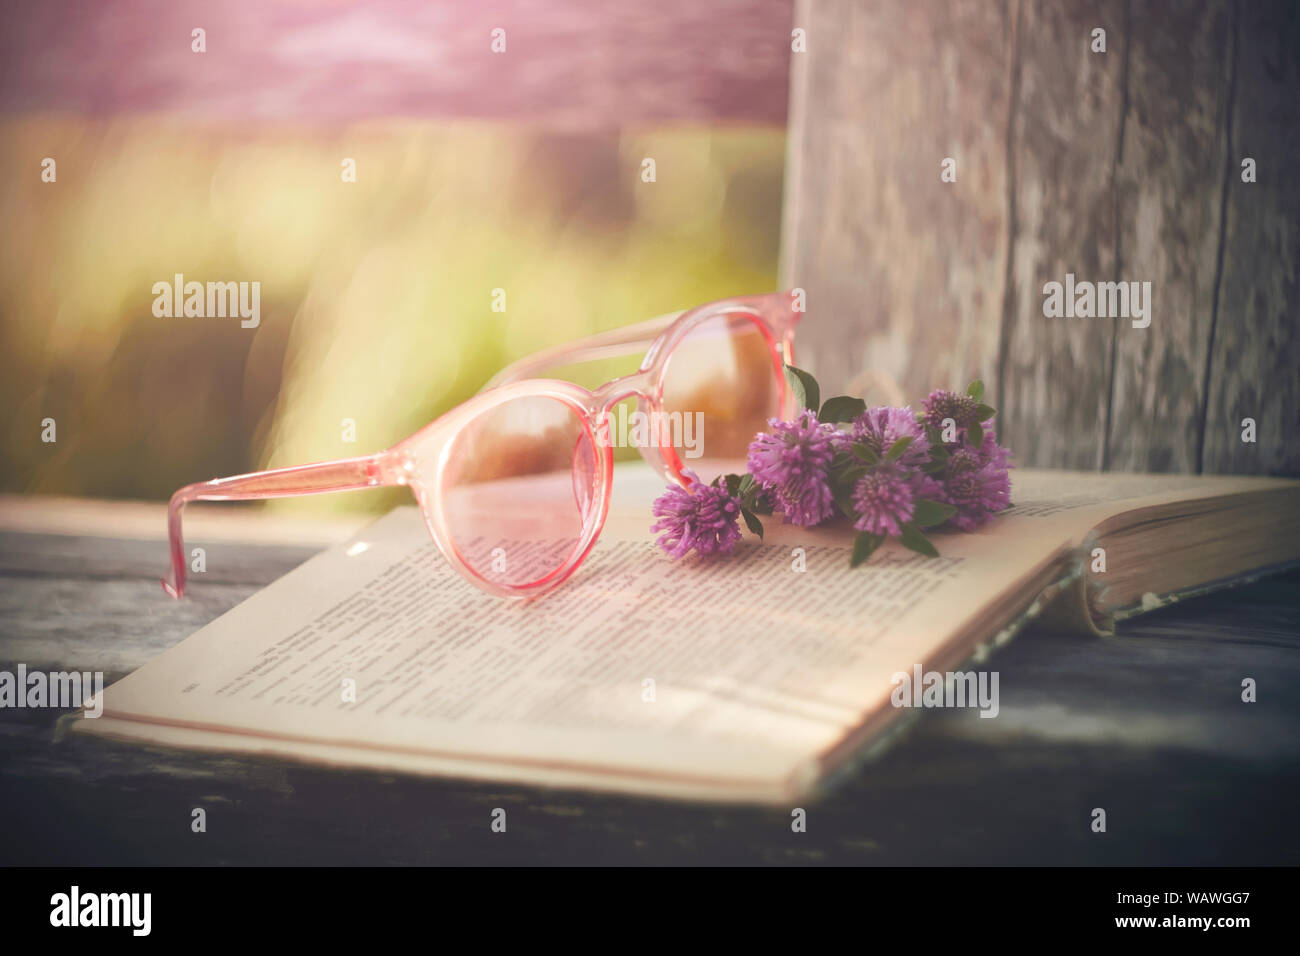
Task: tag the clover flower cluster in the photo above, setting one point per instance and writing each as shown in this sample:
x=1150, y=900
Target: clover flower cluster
x=890, y=472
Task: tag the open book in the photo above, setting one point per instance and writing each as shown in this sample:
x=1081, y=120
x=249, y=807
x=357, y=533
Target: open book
x=744, y=678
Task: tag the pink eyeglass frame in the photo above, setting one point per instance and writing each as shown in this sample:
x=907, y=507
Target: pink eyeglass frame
x=419, y=461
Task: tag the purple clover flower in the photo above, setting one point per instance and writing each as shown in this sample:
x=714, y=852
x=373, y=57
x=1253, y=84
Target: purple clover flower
x=791, y=463
x=977, y=483
x=941, y=404
x=991, y=451
x=978, y=493
x=923, y=486
x=702, y=517
x=878, y=428
x=963, y=460
x=884, y=499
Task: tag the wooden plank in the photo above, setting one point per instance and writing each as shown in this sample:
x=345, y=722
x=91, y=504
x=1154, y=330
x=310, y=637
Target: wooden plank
x=903, y=272
x=96, y=603
x=1255, y=366
x=243, y=522
x=1053, y=380
x=1115, y=169
x=1169, y=185
x=1147, y=724
x=936, y=800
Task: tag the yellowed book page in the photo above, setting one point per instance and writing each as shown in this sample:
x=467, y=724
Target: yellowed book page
x=722, y=678
x=1086, y=498
x=742, y=669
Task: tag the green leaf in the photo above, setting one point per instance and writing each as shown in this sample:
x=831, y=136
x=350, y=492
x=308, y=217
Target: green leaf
x=747, y=490
x=897, y=448
x=929, y=513
x=935, y=465
x=975, y=434
x=843, y=495
x=864, y=545
x=976, y=390
x=866, y=453
x=805, y=388
x=984, y=412
x=733, y=484
x=913, y=538
x=755, y=499
x=752, y=522
x=847, y=478
x=841, y=408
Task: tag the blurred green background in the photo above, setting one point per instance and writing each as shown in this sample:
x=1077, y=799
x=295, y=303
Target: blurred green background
x=375, y=295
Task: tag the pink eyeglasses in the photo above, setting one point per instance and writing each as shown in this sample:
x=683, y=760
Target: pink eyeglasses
x=514, y=483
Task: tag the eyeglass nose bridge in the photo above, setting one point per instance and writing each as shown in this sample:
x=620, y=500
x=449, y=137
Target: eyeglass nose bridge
x=645, y=387
x=641, y=385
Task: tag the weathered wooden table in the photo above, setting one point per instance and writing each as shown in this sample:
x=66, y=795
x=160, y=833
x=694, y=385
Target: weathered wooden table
x=1148, y=725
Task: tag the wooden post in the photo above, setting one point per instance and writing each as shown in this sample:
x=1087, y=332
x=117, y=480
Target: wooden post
x=1122, y=164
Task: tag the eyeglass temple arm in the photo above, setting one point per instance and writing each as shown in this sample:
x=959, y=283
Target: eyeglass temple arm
x=622, y=341
x=611, y=344
x=347, y=474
